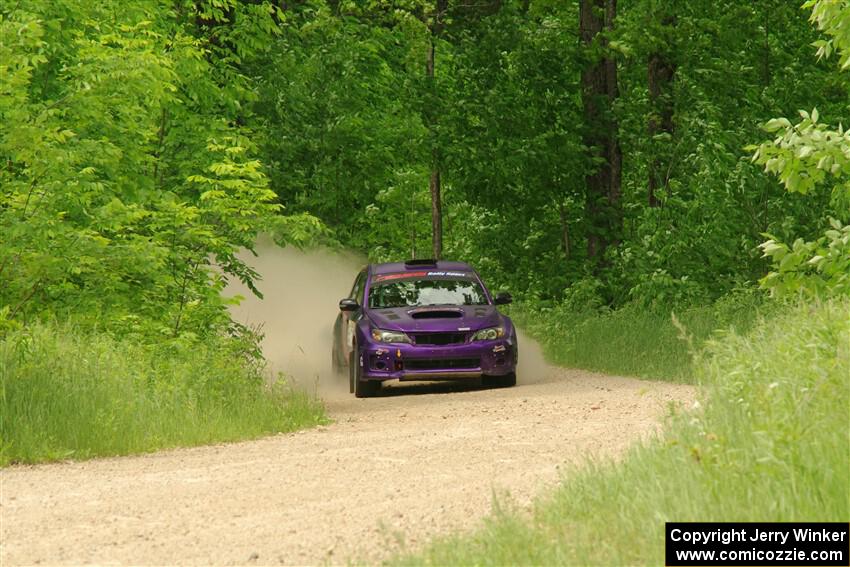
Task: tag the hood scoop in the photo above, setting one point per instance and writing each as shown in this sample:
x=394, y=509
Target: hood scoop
x=436, y=314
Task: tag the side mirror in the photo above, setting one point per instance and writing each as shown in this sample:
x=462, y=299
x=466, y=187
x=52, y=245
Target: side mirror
x=503, y=298
x=348, y=305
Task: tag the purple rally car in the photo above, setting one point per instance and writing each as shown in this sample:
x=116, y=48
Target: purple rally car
x=423, y=320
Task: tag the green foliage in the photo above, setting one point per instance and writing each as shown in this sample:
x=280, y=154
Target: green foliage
x=772, y=433
x=340, y=125
x=817, y=268
x=804, y=156
x=348, y=108
x=833, y=17
x=735, y=65
x=128, y=185
x=348, y=121
x=807, y=154
x=67, y=393
x=635, y=340
x=145, y=144
x=584, y=297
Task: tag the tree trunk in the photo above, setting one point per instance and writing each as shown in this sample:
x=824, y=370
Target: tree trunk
x=660, y=72
x=599, y=91
x=434, y=184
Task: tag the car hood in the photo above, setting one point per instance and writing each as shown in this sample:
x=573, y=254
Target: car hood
x=435, y=318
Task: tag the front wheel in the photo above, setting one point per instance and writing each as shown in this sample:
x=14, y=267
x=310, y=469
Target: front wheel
x=361, y=388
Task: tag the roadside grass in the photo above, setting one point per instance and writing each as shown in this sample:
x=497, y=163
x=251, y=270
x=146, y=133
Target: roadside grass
x=770, y=442
x=633, y=341
x=68, y=394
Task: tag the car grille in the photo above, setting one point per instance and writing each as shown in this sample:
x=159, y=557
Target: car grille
x=441, y=363
x=439, y=339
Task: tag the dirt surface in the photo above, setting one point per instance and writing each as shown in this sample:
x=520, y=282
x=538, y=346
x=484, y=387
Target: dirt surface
x=393, y=471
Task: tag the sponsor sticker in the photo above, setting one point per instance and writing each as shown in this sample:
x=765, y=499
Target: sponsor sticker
x=419, y=275
x=450, y=274
x=402, y=275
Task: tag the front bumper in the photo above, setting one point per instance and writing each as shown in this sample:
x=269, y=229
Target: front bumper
x=390, y=361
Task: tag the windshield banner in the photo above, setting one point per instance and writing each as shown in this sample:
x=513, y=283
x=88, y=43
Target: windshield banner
x=420, y=275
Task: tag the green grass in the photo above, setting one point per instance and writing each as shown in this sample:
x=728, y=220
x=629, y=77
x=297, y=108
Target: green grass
x=771, y=442
x=65, y=394
x=633, y=341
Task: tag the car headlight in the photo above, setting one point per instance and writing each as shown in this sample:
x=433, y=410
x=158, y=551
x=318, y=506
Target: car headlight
x=489, y=334
x=390, y=336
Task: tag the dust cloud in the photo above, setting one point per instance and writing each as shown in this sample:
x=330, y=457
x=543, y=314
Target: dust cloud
x=301, y=290
x=532, y=367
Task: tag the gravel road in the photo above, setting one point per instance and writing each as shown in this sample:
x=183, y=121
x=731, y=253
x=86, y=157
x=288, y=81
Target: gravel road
x=388, y=473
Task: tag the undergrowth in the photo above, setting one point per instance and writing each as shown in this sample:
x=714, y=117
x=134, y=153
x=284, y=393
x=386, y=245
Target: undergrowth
x=632, y=340
x=768, y=443
x=72, y=394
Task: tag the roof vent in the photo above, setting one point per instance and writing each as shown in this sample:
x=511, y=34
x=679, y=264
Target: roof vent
x=419, y=263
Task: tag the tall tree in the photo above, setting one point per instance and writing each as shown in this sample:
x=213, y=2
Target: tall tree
x=599, y=91
x=435, y=30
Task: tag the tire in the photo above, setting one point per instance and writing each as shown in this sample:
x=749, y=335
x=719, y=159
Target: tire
x=360, y=388
x=505, y=381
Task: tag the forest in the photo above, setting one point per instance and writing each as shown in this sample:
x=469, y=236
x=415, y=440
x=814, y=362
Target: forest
x=593, y=152
x=638, y=173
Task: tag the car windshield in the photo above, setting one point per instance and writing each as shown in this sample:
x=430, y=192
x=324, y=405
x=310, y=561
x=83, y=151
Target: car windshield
x=409, y=293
